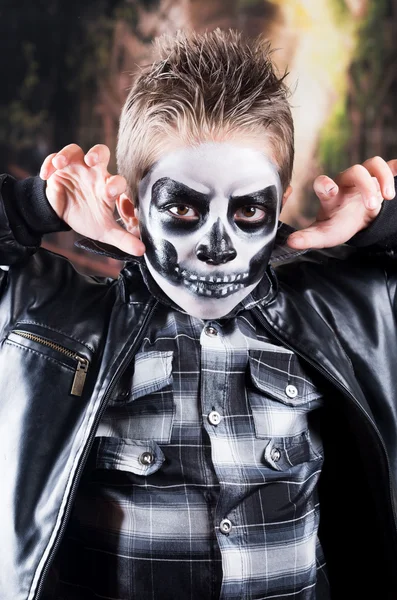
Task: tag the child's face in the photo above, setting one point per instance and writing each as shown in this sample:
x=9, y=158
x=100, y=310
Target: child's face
x=208, y=218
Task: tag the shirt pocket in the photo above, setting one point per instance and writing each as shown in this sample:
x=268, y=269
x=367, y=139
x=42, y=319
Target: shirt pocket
x=131, y=456
x=282, y=454
x=142, y=407
x=281, y=394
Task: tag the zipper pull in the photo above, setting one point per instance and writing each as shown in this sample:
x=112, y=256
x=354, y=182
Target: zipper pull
x=79, y=377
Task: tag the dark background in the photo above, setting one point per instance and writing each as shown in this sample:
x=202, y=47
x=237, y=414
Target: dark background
x=66, y=68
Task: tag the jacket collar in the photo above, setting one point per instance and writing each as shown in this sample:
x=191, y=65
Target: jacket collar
x=288, y=315
x=294, y=321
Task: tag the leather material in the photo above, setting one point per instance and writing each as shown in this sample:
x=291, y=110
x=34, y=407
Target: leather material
x=338, y=315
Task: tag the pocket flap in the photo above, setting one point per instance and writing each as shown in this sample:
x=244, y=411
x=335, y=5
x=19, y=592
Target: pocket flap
x=138, y=457
x=153, y=371
x=280, y=375
x=282, y=454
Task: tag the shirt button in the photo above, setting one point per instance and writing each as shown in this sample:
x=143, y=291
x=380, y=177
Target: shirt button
x=225, y=526
x=291, y=391
x=146, y=458
x=214, y=418
x=211, y=331
x=275, y=454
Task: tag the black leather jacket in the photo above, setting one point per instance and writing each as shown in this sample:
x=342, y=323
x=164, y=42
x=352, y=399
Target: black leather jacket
x=67, y=338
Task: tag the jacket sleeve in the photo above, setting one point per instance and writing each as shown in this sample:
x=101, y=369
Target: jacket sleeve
x=381, y=235
x=25, y=216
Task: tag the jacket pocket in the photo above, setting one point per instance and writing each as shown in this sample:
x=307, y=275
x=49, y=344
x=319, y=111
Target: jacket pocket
x=142, y=407
x=57, y=348
x=280, y=393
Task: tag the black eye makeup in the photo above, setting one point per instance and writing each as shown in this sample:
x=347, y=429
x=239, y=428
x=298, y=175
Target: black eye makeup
x=253, y=211
x=166, y=193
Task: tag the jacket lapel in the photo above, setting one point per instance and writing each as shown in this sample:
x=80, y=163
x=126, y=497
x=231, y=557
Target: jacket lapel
x=297, y=324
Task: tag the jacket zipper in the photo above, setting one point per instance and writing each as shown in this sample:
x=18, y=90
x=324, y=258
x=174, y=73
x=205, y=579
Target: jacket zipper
x=343, y=389
x=80, y=373
x=90, y=441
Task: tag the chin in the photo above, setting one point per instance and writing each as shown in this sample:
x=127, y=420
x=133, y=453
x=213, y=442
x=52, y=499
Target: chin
x=209, y=310
x=205, y=307
x=204, y=300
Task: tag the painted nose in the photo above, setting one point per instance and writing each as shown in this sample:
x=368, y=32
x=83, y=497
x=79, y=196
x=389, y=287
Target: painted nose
x=216, y=248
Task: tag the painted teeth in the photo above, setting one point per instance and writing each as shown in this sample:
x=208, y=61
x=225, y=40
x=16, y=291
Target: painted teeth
x=190, y=277
x=198, y=288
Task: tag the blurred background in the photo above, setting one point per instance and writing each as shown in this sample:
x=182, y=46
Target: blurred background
x=67, y=66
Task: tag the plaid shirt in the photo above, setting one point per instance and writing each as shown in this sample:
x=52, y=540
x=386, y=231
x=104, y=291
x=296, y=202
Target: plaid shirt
x=202, y=482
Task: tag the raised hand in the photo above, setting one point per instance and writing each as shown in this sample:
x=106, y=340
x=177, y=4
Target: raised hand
x=348, y=204
x=83, y=193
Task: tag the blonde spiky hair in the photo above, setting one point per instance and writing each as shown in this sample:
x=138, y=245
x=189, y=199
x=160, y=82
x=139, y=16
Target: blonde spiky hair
x=204, y=87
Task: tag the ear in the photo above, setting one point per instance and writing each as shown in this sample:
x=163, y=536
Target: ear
x=286, y=195
x=127, y=212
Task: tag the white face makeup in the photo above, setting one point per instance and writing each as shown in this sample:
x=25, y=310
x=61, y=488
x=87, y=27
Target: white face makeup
x=208, y=218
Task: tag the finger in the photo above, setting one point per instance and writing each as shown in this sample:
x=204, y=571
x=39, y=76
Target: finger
x=115, y=186
x=325, y=186
x=377, y=167
x=324, y=234
x=124, y=240
x=359, y=177
x=47, y=168
x=327, y=191
x=393, y=166
x=69, y=154
x=98, y=154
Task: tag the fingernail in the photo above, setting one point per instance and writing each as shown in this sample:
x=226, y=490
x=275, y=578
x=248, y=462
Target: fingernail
x=112, y=191
x=372, y=202
x=390, y=192
x=93, y=157
x=329, y=190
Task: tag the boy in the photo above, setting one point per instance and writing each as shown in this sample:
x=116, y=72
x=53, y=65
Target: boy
x=203, y=427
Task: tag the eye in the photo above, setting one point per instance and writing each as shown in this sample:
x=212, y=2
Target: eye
x=250, y=213
x=182, y=211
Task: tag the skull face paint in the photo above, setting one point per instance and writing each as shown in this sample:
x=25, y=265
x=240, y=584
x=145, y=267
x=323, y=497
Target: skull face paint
x=208, y=218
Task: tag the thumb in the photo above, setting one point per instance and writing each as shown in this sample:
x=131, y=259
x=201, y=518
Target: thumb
x=123, y=240
x=318, y=235
x=325, y=234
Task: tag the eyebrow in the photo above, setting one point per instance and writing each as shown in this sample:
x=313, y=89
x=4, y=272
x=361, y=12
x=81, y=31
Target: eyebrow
x=267, y=195
x=166, y=188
